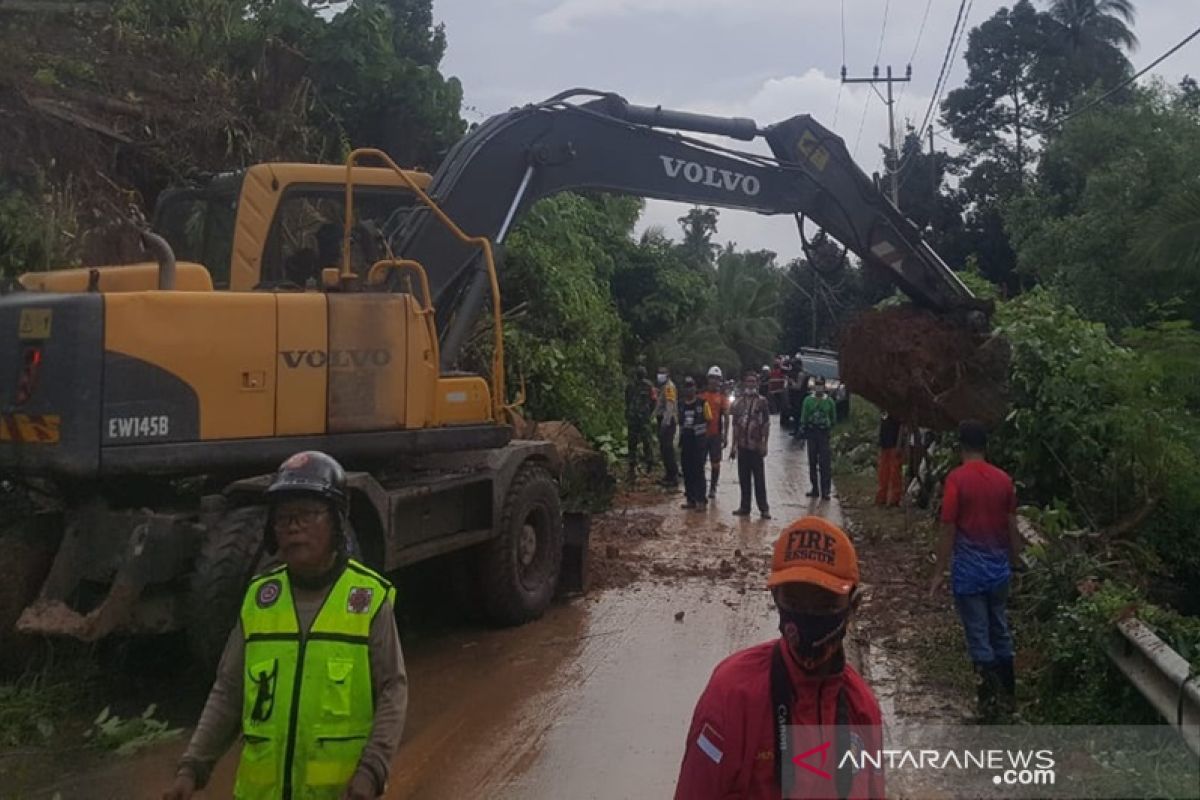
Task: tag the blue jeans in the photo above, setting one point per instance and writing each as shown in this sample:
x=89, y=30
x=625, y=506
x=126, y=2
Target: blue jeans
x=985, y=623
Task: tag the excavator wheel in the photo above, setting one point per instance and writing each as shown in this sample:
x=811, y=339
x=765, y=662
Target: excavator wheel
x=518, y=570
x=223, y=568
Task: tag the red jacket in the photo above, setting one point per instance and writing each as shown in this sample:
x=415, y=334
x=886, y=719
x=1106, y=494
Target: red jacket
x=730, y=751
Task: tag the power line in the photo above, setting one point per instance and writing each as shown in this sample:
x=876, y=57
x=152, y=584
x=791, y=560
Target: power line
x=937, y=88
x=861, y=122
x=883, y=31
x=956, y=37
x=837, y=106
x=1067, y=117
x=867, y=102
x=920, y=36
x=921, y=32
x=948, y=140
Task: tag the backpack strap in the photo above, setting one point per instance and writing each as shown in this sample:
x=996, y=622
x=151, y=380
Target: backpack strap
x=782, y=698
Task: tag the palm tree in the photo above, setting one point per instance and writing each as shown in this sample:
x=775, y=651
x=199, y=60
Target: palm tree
x=1170, y=237
x=1087, y=23
x=1086, y=47
x=741, y=328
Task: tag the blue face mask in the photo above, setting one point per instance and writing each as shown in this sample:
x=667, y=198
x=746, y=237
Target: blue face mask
x=813, y=638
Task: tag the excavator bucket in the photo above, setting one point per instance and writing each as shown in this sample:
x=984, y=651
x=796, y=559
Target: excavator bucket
x=925, y=369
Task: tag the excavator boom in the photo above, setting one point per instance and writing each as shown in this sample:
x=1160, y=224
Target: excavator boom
x=589, y=140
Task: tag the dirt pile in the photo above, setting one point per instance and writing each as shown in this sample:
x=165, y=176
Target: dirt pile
x=586, y=483
x=924, y=368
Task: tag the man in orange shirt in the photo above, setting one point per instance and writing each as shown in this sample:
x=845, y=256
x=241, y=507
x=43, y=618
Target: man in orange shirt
x=717, y=435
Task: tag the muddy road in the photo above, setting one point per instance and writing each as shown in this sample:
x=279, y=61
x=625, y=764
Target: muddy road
x=592, y=701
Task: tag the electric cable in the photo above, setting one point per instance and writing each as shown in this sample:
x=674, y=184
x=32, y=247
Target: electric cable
x=837, y=106
x=1069, y=116
x=867, y=102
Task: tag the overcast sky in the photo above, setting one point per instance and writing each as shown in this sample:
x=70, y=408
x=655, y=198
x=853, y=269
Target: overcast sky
x=766, y=59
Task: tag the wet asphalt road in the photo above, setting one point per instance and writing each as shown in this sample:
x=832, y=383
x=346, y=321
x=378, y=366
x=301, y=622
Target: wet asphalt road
x=592, y=701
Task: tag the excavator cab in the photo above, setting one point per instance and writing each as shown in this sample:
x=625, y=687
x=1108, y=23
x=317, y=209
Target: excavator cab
x=247, y=344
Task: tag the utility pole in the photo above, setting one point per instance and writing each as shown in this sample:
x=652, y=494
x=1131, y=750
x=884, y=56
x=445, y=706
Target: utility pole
x=889, y=80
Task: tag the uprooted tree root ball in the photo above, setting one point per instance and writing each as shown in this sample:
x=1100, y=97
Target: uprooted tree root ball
x=925, y=369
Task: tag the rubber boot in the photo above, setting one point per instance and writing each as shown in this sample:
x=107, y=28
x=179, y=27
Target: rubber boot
x=987, y=692
x=716, y=476
x=1007, y=681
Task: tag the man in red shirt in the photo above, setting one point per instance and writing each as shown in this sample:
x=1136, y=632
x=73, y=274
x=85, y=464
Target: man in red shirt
x=717, y=435
x=743, y=742
x=979, y=525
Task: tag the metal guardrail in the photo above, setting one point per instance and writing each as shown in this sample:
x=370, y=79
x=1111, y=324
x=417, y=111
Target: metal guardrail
x=1161, y=675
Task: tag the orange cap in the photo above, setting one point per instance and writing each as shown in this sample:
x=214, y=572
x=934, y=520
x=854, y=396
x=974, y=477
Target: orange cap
x=814, y=550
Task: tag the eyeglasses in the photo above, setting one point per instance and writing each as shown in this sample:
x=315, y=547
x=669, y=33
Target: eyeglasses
x=303, y=518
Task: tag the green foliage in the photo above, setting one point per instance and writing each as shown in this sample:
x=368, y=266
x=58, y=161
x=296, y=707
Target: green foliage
x=656, y=291
x=1080, y=586
x=856, y=440
x=1024, y=66
x=821, y=295
x=1088, y=424
x=1091, y=37
x=38, y=227
x=1108, y=222
x=563, y=335
x=1075, y=683
x=373, y=64
x=34, y=707
x=1101, y=440
x=127, y=736
x=740, y=328
x=699, y=225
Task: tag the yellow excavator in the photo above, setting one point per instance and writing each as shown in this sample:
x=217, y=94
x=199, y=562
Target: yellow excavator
x=295, y=307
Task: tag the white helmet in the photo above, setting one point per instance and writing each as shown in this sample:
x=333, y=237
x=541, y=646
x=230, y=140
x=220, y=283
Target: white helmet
x=715, y=372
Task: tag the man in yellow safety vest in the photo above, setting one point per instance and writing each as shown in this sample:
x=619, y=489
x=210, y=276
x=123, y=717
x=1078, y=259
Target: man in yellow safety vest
x=312, y=676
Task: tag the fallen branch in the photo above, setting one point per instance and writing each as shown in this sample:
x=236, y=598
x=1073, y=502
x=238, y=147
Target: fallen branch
x=1129, y=524
x=103, y=102
x=63, y=112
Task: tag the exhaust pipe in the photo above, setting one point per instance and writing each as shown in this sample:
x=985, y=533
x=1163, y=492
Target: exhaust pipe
x=165, y=257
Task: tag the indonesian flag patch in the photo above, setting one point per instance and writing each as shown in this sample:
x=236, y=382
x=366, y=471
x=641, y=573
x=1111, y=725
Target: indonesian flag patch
x=359, y=601
x=710, y=743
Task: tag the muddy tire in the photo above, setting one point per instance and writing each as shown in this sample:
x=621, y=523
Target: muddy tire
x=518, y=570
x=223, y=568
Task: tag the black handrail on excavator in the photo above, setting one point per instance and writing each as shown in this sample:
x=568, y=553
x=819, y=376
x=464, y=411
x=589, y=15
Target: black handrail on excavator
x=582, y=139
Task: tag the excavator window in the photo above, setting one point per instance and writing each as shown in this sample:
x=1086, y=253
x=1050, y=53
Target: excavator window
x=199, y=225
x=306, y=235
